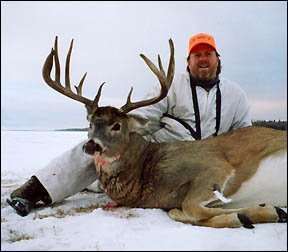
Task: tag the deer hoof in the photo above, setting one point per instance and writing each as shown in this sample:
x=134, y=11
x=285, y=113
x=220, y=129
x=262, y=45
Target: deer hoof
x=245, y=221
x=281, y=214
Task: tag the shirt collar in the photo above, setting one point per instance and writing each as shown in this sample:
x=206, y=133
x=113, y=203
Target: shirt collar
x=206, y=84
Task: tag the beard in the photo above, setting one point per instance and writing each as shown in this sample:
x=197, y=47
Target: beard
x=204, y=71
x=205, y=74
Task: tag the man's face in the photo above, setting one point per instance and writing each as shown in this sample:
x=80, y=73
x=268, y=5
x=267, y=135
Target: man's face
x=203, y=62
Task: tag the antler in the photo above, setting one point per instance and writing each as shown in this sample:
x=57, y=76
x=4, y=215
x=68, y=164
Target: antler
x=56, y=84
x=164, y=80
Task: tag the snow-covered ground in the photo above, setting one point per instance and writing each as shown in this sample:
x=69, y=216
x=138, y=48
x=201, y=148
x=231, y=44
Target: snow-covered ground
x=82, y=222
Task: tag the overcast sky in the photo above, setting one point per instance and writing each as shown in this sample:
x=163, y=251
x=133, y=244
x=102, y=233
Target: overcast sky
x=251, y=38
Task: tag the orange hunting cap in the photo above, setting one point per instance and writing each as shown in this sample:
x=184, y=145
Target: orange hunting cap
x=201, y=38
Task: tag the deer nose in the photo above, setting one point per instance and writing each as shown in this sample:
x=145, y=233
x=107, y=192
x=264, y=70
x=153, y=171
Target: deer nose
x=91, y=147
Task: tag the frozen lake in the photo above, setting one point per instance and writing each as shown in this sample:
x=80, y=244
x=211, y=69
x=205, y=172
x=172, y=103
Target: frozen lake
x=81, y=222
x=23, y=152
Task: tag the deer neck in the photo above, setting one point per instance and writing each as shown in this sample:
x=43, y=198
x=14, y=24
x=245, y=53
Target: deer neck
x=122, y=180
x=134, y=156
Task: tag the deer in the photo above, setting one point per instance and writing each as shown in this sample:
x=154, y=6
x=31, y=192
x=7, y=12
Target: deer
x=233, y=180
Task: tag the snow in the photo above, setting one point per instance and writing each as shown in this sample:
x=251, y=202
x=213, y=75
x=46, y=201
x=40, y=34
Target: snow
x=82, y=222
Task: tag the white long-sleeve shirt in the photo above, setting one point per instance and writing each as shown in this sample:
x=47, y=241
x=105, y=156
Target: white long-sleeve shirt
x=235, y=111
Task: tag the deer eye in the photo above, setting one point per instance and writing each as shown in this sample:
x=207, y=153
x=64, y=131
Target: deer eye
x=116, y=127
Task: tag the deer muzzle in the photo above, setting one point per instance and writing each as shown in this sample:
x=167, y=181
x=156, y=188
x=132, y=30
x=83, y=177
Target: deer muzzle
x=92, y=147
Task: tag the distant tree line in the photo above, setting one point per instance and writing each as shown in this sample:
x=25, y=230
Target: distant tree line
x=279, y=125
x=73, y=129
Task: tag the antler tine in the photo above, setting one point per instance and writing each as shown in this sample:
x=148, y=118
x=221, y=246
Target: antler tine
x=91, y=108
x=160, y=65
x=97, y=97
x=128, y=105
x=56, y=85
x=165, y=81
x=129, y=95
x=57, y=64
x=79, y=88
x=171, y=67
x=67, y=67
x=159, y=74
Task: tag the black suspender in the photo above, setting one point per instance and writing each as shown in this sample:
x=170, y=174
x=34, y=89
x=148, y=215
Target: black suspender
x=218, y=109
x=196, y=110
x=186, y=125
x=197, y=135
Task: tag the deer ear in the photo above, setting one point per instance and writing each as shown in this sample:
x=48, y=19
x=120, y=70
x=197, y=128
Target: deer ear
x=142, y=125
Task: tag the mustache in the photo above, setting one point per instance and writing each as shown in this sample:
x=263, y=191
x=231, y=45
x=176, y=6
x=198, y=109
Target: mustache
x=204, y=62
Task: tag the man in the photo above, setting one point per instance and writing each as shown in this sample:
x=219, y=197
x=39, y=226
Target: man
x=199, y=105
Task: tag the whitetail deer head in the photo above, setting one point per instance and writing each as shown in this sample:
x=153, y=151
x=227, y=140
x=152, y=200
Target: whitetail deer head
x=108, y=123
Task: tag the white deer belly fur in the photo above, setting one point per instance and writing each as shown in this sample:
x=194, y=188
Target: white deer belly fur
x=268, y=185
